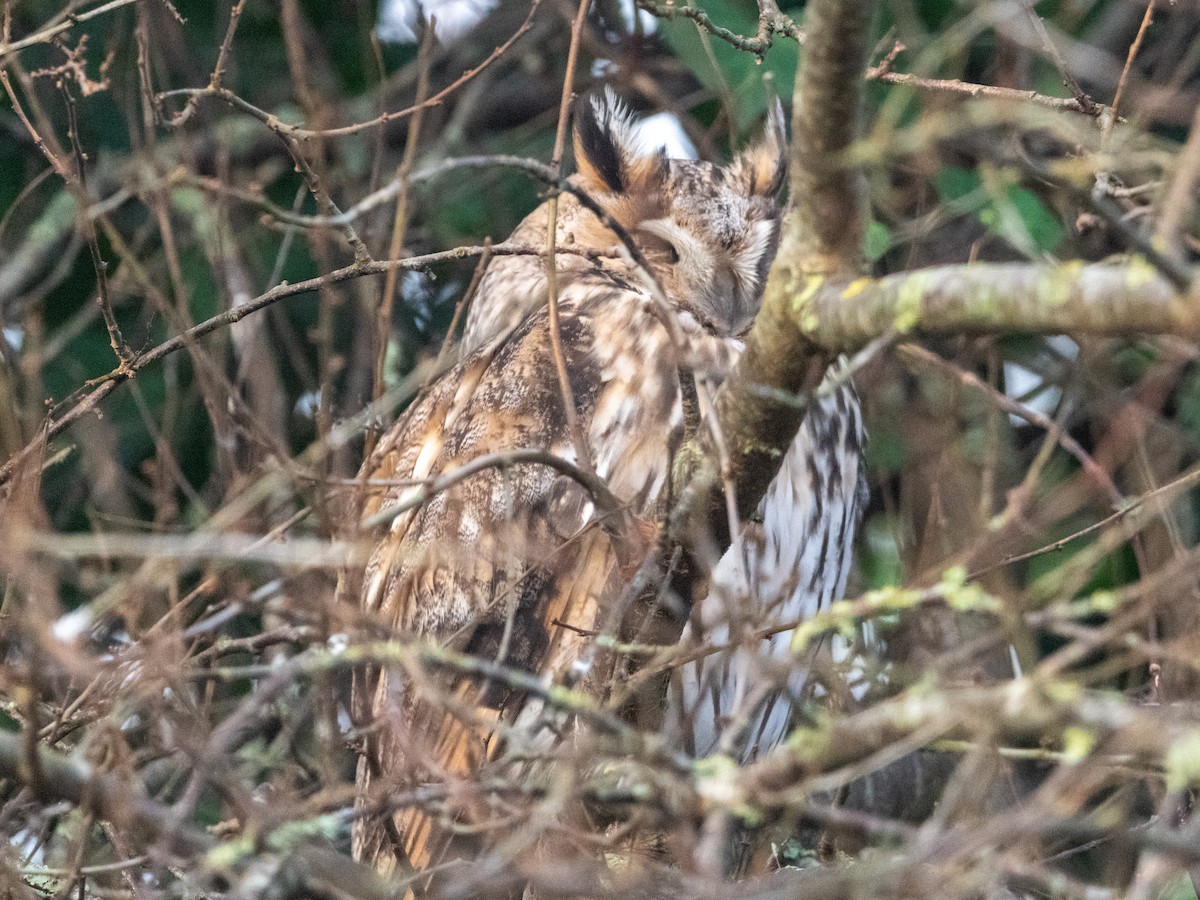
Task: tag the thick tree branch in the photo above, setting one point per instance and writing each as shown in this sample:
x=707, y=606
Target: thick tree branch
x=806, y=320
x=823, y=232
x=822, y=235
x=1114, y=299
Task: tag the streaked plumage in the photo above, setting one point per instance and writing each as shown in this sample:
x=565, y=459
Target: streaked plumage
x=788, y=566
x=496, y=562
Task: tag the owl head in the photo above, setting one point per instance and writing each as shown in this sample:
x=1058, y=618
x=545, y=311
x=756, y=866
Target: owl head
x=709, y=232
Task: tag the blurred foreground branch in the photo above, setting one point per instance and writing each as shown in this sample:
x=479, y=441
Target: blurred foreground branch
x=311, y=870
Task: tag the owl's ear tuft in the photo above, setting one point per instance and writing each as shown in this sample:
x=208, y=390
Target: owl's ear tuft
x=607, y=151
x=601, y=128
x=762, y=168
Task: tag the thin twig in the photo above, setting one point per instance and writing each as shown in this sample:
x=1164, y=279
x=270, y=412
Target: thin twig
x=606, y=502
x=1128, y=67
x=1032, y=416
x=464, y=302
x=533, y=167
x=1168, y=490
x=288, y=137
x=49, y=33
x=951, y=86
x=582, y=454
x=1086, y=104
x=218, y=72
x=198, y=547
x=383, y=318
x=76, y=183
x=115, y=340
x=1179, y=196
x=101, y=387
x=770, y=22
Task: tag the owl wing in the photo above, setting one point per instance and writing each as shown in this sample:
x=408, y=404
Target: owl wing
x=739, y=701
x=509, y=562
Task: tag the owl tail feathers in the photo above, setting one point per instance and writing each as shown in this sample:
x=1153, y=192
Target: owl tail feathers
x=461, y=750
x=447, y=739
x=416, y=838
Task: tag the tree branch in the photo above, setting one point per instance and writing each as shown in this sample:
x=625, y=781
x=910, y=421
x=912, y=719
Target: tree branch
x=822, y=234
x=1127, y=298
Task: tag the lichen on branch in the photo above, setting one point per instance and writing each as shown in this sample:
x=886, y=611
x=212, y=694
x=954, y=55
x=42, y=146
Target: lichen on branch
x=1130, y=297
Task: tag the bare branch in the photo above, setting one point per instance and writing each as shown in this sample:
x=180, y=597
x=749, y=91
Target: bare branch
x=107, y=384
x=305, y=134
x=125, y=804
x=50, y=32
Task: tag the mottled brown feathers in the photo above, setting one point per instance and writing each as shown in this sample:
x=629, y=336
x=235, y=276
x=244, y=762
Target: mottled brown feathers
x=709, y=233
x=493, y=564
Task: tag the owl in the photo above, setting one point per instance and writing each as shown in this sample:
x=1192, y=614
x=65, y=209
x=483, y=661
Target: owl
x=518, y=562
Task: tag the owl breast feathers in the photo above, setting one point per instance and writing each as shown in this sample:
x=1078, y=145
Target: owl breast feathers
x=517, y=562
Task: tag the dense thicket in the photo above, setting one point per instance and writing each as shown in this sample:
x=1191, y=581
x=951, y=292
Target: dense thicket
x=201, y=333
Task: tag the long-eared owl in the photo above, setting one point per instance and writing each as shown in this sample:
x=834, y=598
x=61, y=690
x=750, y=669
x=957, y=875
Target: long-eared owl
x=518, y=563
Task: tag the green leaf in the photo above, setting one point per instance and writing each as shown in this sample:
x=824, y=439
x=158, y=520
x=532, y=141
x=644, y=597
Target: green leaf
x=1041, y=224
x=953, y=183
x=876, y=241
x=1006, y=209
